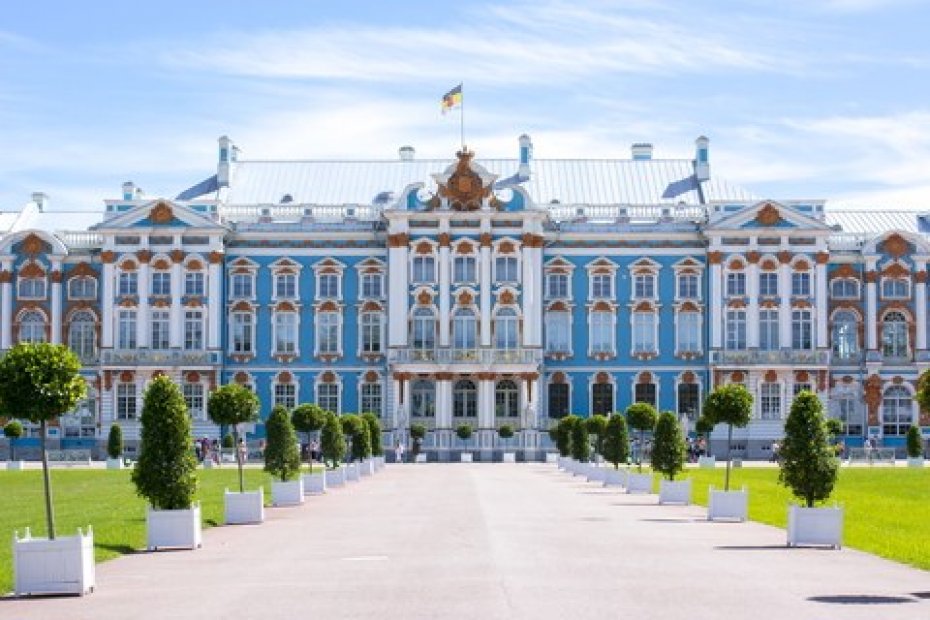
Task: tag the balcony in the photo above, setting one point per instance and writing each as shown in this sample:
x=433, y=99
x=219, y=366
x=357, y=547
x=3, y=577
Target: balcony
x=781, y=357
x=466, y=356
x=159, y=357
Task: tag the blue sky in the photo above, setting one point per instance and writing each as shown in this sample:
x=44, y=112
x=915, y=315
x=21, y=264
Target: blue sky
x=801, y=99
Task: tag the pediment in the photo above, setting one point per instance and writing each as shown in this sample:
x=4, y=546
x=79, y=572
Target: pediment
x=158, y=214
x=769, y=214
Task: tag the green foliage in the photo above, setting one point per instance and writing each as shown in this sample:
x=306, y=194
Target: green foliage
x=923, y=390
x=417, y=431
x=668, y=446
x=233, y=404
x=374, y=433
x=834, y=428
x=808, y=465
x=563, y=439
x=463, y=431
x=13, y=430
x=553, y=433
x=115, y=442
x=731, y=405
x=581, y=450
x=915, y=443
x=229, y=441
x=333, y=441
x=641, y=417
x=308, y=417
x=165, y=471
x=616, y=446
x=703, y=426
x=357, y=429
x=40, y=381
x=282, y=457
x=505, y=431
x=597, y=425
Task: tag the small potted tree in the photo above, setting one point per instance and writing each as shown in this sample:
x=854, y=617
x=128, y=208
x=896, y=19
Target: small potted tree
x=668, y=458
x=581, y=449
x=417, y=435
x=350, y=428
x=809, y=469
x=915, y=448
x=563, y=441
x=464, y=433
x=616, y=450
x=333, y=445
x=731, y=405
x=704, y=427
x=282, y=459
x=115, y=447
x=553, y=457
x=640, y=417
x=165, y=472
x=232, y=405
x=13, y=431
x=505, y=433
x=39, y=382
x=374, y=436
x=596, y=426
x=309, y=418
x=361, y=446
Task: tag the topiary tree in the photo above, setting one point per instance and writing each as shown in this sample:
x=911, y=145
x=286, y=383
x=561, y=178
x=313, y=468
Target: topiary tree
x=229, y=442
x=703, y=427
x=616, y=440
x=231, y=405
x=308, y=418
x=641, y=417
x=505, y=431
x=923, y=390
x=417, y=434
x=13, y=431
x=165, y=472
x=731, y=405
x=668, y=446
x=374, y=433
x=39, y=382
x=115, y=442
x=332, y=440
x=357, y=430
x=581, y=449
x=463, y=432
x=563, y=438
x=808, y=466
x=282, y=458
x=915, y=448
x=597, y=425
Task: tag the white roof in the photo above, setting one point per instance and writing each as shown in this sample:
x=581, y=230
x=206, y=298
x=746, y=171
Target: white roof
x=875, y=221
x=30, y=217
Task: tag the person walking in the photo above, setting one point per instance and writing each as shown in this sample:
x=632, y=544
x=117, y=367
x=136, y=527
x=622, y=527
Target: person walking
x=399, y=452
x=243, y=451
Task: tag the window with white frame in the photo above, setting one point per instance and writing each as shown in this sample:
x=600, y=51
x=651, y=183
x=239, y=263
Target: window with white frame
x=128, y=283
x=770, y=401
x=736, y=284
x=797, y=388
x=193, y=396
x=160, y=323
x=506, y=269
x=285, y=285
x=689, y=400
x=465, y=399
x=505, y=329
x=897, y=410
x=558, y=332
x=688, y=332
x=285, y=332
x=644, y=332
x=802, y=330
x=736, y=330
x=82, y=335
x=556, y=286
x=372, y=286
x=645, y=393
x=126, y=329
x=845, y=335
x=30, y=288
x=193, y=330
x=126, y=401
x=423, y=269
x=371, y=325
x=194, y=283
x=161, y=283
x=241, y=332
x=768, y=330
x=242, y=285
x=849, y=414
x=844, y=288
x=424, y=329
x=602, y=332
x=285, y=395
x=602, y=399
x=768, y=283
x=328, y=286
x=32, y=327
x=83, y=287
x=689, y=286
x=327, y=333
x=371, y=398
x=895, y=338
x=801, y=284
x=464, y=269
x=423, y=399
x=558, y=400
x=327, y=396
x=464, y=329
x=896, y=288
x=644, y=286
x=602, y=286
x=506, y=399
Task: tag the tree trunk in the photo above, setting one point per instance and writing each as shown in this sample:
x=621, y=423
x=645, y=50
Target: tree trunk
x=49, y=512
x=726, y=484
x=235, y=432
x=12, y=449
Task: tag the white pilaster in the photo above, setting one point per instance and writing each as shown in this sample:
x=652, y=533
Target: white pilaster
x=176, y=329
x=532, y=297
x=752, y=308
x=871, y=307
x=142, y=314
x=398, y=295
x=485, y=404
x=214, y=304
x=821, y=303
x=716, y=305
x=444, y=404
x=445, y=277
x=784, y=307
x=106, y=306
x=56, y=302
x=485, y=259
x=6, y=313
x=920, y=305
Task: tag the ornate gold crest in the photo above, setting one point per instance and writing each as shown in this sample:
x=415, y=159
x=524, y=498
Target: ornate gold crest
x=768, y=215
x=161, y=213
x=464, y=190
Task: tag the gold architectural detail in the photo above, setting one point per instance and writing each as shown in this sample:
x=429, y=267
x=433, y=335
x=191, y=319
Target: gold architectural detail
x=465, y=247
x=371, y=377
x=871, y=276
x=737, y=376
x=161, y=213
x=485, y=239
x=398, y=240
x=822, y=258
x=784, y=257
x=753, y=257
x=326, y=306
x=844, y=271
x=715, y=258
x=107, y=256
x=444, y=240
x=424, y=298
x=424, y=248
x=177, y=256
x=465, y=298
x=464, y=189
x=873, y=397
x=768, y=215
x=506, y=247
x=32, y=244
x=602, y=378
x=895, y=270
x=32, y=270
x=895, y=245
x=558, y=378
x=506, y=298
x=55, y=276
x=687, y=377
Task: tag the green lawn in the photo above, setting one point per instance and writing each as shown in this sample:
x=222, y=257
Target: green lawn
x=104, y=499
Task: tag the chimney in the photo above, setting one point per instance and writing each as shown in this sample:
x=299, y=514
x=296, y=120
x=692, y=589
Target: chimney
x=129, y=190
x=701, y=159
x=41, y=200
x=526, y=156
x=228, y=155
x=642, y=151
x=406, y=153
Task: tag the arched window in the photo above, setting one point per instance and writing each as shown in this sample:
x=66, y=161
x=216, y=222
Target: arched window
x=845, y=335
x=894, y=335
x=423, y=399
x=602, y=398
x=82, y=335
x=32, y=327
x=505, y=329
x=424, y=329
x=506, y=399
x=897, y=410
x=465, y=399
x=464, y=329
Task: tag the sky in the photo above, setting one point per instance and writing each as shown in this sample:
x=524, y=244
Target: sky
x=800, y=98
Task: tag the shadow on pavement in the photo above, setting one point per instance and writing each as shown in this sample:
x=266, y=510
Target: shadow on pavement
x=861, y=599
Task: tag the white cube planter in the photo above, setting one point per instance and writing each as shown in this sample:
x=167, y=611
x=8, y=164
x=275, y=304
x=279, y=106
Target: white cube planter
x=674, y=491
x=580, y=468
x=173, y=529
x=421, y=458
x=707, y=462
x=314, y=483
x=552, y=457
x=366, y=468
x=114, y=463
x=729, y=505
x=336, y=477
x=290, y=493
x=597, y=474
x=510, y=457
x=245, y=507
x=209, y=464
x=638, y=483
x=562, y=462
x=15, y=465
x=614, y=477
x=815, y=526
x=352, y=473
x=466, y=457
x=915, y=461
x=61, y=566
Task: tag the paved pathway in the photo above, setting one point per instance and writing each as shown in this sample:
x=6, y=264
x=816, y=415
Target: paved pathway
x=492, y=541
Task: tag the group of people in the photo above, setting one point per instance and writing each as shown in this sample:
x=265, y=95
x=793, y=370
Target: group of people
x=206, y=449
x=696, y=448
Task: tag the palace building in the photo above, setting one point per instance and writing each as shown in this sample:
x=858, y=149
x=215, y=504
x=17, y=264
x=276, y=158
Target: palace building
x=479, y=291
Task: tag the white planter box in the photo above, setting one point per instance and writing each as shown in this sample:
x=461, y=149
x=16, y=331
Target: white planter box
x=732, y=505
x=638, y=483
x=335, y=477
x=815, y=526
x=61, y=566
x=707, y=462
x=915, y=461
x=352, y=474
x=563, y=462
x=366, y=468
x=173, y=529
x=380, y=462
x=421, y=458
x=510, y=457
x=209, y=464
x=290, y=493
x=580, y=469
x=466, y=457
x=246, y=507
x=314, y=483
x=597, y=474
x=614, y=477
x=552, y=457
x=15, y=465
x=114, y=463
x=675, y=491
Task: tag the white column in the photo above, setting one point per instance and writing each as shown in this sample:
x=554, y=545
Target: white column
x=716, y=305
x=395, y=411
x=106, y=306
x=752, y=308
x=532, y=295
x=6, y=313
x=920, y=305
x=175, y=318
x=821, y=303
x=784, y=308
x=486, y=403
x=871, y=306
x=444, y=403
x=215, y=308
x=142, y=314
x=485, y=275
x=56, y=301
x=398, y=295
x=445, y=277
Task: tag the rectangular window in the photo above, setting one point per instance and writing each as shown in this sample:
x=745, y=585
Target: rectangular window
x=644, y=332
x=371, y=332
x=802, y=387
x=736, y=330
x=844, y=288
x=645, y=393
x=423, y=270
x=241, y=332
x=327, y=333
x=801, y=284
x=126, y=333
x=31, y=288
x=328, y=286
x=849, y=414
x=464, y=270
x=371, y=398
x=802, y=330
x=373, y=286
x=736, y=284
x=556, y=286
x=768, y=330
x=128, y=283
x=194, y=283
x=896, y=288
x=688, y=286
x=193, y=330
x=689, y=332
x=327, y=396
x=82, y=288
x=770, y=401
x=602, y=286
x=242, y=285
x=602, y=332
x=161, y=283
x=161, y=324
x=505, y=269
x=689, y=400
x=558, y=400
x=285, y=394
x=126, y=401
x=285, y=286
x=558, y=334
x=193, y=396
x=768, y=283
x=285, y=332
x=644, y=286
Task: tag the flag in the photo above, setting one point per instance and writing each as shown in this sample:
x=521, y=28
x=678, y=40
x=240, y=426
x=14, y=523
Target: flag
x=451, y=99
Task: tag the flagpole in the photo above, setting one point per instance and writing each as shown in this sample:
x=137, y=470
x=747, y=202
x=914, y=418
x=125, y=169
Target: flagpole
x=462, y=116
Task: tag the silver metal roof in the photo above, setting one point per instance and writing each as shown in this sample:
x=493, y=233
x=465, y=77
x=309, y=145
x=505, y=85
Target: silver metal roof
x=874, y=221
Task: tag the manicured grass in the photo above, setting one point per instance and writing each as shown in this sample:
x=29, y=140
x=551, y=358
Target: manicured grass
x=106, y=500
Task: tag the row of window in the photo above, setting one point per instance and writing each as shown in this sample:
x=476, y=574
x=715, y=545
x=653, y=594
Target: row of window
x=768, y=284
x=602, y=332
x=601, y=286
x=802, y=330
x=285, y=333
x=285, y=286
x=81, y=287
x=159, y=326
x=160, y=283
